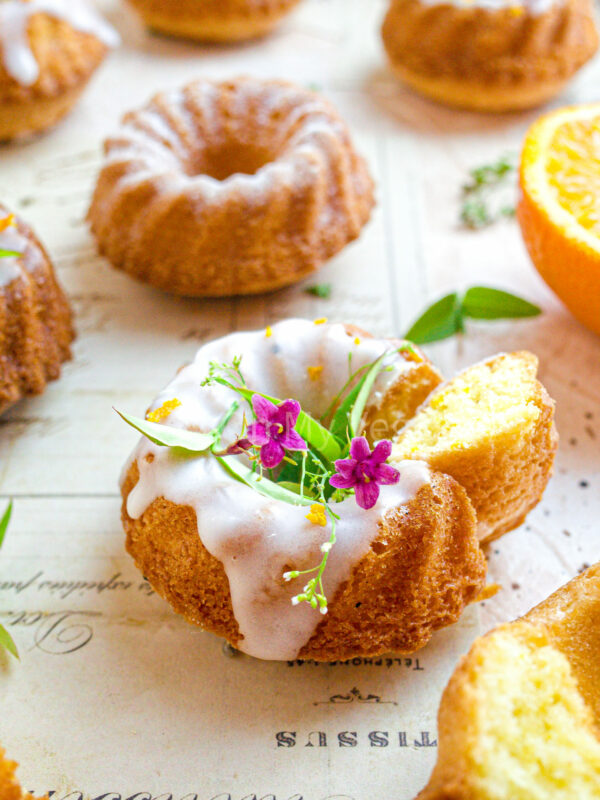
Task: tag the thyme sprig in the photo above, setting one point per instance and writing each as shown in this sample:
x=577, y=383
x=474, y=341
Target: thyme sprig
x=484, y=194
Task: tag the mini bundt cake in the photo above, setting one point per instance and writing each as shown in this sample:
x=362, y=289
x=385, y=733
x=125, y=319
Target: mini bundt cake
x=49, y=49
x=213, y=20
x=489, y=55
x=520, y=718
x=35, y=319
x=9, y=786
x=229, y=188
x=227, y=539
x=478, y=427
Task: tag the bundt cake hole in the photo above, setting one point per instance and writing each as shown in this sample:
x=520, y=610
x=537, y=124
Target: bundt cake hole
x=233, y=158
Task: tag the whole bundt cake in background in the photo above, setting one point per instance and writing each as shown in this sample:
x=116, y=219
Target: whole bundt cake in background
x=229, y=188
x=48, y=52
x=213, y=20
x=35, y=318
x=489, y=55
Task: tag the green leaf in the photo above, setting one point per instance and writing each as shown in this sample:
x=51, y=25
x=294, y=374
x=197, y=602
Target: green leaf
x=340, y=422
x=483, y=302
x=10, y=253
x=167, y=436
x=322, y=290
x=6, y=641
x=362, y=397
x=262, y=485
x=308, y=427
x=440, y=321
x=4, y=521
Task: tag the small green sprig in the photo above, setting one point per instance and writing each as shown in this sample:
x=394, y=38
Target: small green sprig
x=313, y=592
x=322, y=290
x=480, y=207
x=446, y=317
x=6, y=640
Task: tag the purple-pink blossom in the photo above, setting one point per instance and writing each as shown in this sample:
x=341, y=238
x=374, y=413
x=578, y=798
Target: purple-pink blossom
x=273, y=431
x=365, y=471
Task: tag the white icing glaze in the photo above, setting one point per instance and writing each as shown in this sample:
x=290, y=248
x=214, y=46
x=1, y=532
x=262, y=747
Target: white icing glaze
x=256, y=538
x=10, y=268
x=18, y=57
x=533, y=7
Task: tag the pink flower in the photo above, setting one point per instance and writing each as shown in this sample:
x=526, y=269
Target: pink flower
x=273, y=430
x=365, y=471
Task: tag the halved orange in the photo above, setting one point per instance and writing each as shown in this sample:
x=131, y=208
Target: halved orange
x=559, y=206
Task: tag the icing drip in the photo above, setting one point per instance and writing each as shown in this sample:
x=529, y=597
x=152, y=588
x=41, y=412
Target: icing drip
x=256, y=538
x=10, y=269
x=18, y=57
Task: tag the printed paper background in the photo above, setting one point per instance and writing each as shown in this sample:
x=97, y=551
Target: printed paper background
x=115, y=696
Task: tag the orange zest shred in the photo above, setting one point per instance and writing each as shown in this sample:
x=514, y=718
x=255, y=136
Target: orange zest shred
x=321, y=321
x=488, y=591
x=317, y=515
x=268, y=331
x=314, y=373
x=7, y=222
x=160, y=414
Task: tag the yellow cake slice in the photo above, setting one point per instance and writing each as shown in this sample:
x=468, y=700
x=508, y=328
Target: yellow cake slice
x=519, y=719
x=492, y=429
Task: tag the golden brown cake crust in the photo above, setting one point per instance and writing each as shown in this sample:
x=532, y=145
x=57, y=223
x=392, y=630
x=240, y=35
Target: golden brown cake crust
x=213, y=20
x=423, y=568
x=35, y=325
x=229, y=188
x=486, y=59
x=569, y=621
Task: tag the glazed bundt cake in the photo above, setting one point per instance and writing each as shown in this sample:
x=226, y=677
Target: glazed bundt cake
x=489, y=56
x=478, y=428
x=35, y=319
x=228, y=541
x=520, y=718
x=229, y=188
x=48, y=52
x=213, y=20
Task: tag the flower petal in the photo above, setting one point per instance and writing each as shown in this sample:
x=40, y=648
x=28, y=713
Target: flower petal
x=287, y=413
x=257, y=434
x=382, y=451
x=292, y=441
x=345, y=465
x=367, y=495
x=342, y=481
x=385, y=475
x=265, y=410
x=271, y=455
x=359, y=449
